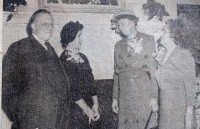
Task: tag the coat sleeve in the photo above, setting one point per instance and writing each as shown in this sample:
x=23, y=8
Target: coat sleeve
x=85, y=86
x=10, y=82
x=90, y=78
x=115, y=77
x=152, y=64
x=189, y=78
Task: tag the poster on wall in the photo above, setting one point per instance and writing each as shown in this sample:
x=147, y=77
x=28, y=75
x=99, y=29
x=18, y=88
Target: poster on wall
x=107, y=6
x=87, y=2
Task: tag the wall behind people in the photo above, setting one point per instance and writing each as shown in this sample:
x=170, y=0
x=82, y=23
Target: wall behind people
x=99, y=39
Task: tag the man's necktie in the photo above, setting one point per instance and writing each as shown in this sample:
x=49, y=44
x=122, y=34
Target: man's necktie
x=50, y=50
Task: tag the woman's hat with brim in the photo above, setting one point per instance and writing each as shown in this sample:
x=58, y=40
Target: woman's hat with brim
x=125, y=12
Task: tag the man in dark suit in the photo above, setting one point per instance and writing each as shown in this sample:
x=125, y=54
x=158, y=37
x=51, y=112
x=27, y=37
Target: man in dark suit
x=35, y=86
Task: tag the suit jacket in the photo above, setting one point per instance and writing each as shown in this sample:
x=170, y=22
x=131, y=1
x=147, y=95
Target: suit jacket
x=35, y=87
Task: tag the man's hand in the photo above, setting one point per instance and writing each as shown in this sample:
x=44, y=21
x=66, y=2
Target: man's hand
x=115, y=106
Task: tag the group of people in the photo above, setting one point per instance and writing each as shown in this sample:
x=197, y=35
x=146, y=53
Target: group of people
x=43, y=91
x=153, y=78
x=153, y=82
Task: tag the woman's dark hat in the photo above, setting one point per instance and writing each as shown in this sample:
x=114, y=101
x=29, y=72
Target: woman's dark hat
x=69, y=32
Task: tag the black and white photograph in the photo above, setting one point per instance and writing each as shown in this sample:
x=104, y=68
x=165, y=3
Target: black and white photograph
x=100, y=64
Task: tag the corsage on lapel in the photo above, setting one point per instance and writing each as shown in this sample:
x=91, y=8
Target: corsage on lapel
x=74, y=57
x=136, y=45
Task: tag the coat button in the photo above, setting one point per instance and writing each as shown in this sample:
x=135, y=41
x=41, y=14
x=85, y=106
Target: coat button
x=126, y=121
x=146, y=56
x=129, y=55
x=144, y=66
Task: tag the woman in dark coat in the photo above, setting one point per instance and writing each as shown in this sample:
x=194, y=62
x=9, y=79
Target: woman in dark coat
x=81, y=78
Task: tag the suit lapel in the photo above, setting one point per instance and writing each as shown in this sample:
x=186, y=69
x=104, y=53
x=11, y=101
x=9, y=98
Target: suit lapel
x=52, y=70
x=46, y=68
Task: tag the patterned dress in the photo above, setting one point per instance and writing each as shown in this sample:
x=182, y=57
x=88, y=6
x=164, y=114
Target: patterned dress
x=134, y=84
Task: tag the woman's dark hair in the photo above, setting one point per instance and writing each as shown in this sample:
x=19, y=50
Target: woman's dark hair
x=174, y=27
x=155, y=9
x=32, y=19
x=69, y=32
x=127, y=16
x=184, y=35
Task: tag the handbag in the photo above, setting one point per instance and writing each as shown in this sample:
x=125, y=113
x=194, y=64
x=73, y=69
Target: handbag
x=148, y=120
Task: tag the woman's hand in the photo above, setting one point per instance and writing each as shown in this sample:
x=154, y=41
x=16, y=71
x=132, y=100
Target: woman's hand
x=154, y=105
x=115, y=106
x=86, y=109
x=189, y=119
x=95, y=108
x=90, y=113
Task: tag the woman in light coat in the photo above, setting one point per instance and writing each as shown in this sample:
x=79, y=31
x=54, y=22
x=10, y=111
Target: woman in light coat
x=176, y=78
